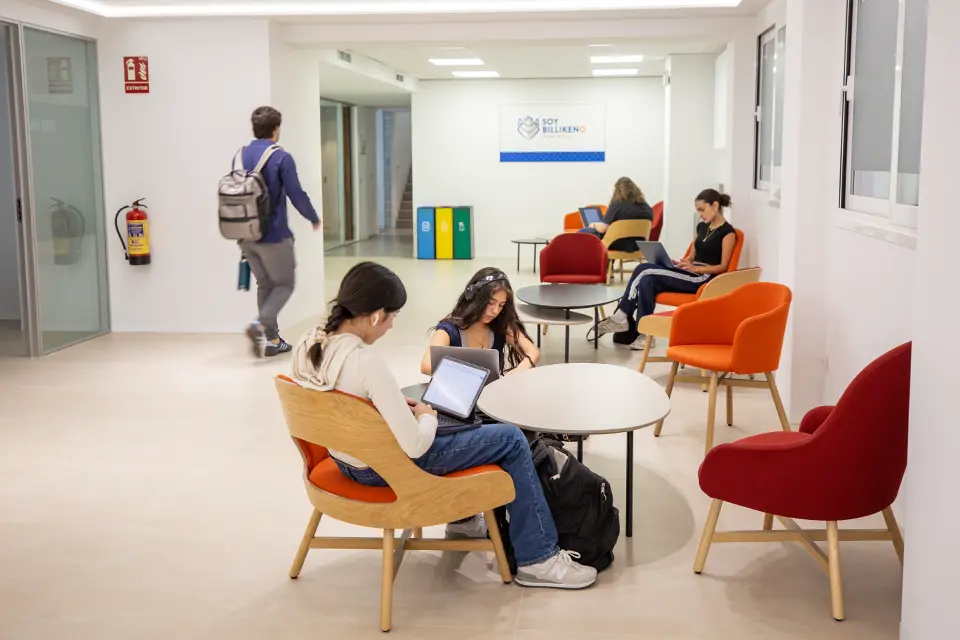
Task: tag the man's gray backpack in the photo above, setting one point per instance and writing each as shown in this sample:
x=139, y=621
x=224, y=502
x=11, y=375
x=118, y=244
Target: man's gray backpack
x=244, y=201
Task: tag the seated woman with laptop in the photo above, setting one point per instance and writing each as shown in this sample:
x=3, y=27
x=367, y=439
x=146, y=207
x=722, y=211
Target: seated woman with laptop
x=336, y=357
x=485, y=317
x=627, y=203
x=710, y=254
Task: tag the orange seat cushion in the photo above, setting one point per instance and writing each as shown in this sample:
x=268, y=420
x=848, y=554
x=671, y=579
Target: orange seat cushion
x=326, y=476
x=712, y=357
x=676, y=299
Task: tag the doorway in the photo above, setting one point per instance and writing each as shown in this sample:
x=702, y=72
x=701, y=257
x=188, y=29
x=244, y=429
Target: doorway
x=52, y=224
x=337, y=173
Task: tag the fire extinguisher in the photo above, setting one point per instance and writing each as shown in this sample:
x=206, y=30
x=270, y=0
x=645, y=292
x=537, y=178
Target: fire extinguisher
x=67, y=226
x=136, y=248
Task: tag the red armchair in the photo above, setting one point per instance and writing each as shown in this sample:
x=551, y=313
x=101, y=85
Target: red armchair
x=846, y=462
x=574, y=258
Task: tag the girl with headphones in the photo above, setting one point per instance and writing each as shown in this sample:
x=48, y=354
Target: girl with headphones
x=485, y=317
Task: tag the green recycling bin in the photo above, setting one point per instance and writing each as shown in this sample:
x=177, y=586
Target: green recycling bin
x=463, y=233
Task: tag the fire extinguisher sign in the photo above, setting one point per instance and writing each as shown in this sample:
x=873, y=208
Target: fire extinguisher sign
x=136, y=74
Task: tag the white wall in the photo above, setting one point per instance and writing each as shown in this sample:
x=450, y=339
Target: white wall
x=50, y=15
x=402, y=159
x=691, y=156
x=456, y=153
x=365, y=171
x=172, y=146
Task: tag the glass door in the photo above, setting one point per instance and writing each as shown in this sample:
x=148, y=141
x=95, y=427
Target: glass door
x=64, y=156
x=331, y=152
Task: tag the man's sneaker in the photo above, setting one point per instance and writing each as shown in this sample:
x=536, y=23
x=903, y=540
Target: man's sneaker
x=475, y=527
x=614, y=323
x=257, y=340
x=641, y=342
x=276, y=349
x=559, y=572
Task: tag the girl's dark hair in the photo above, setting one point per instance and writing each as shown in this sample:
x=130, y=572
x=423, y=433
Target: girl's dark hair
x=367, y=287
x=473, y=301
x=712, y=196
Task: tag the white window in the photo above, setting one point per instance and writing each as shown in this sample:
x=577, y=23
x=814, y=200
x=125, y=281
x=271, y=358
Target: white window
x=884, y=108
x=771, y=58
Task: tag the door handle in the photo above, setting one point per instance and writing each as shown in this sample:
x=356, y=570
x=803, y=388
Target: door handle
x=19, y=210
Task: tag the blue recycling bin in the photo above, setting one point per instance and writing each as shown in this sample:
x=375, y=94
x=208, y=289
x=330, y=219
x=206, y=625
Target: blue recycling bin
x=426, y=233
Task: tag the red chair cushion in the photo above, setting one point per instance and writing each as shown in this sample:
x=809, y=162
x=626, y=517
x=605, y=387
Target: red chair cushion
x=326, y=476
x=712, y=357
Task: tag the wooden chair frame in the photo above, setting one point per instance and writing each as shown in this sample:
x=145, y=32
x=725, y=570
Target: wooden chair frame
x=829, y=561
x=348, y=424
x=617, y=231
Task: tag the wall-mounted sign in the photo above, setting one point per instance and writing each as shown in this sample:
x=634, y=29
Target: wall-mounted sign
x=553, y=133
x=136, y=74
x=59, y=75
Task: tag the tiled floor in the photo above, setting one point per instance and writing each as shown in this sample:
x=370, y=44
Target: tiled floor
x=148, y=489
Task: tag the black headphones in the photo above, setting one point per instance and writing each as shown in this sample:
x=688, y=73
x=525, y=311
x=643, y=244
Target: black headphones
x=474, y=288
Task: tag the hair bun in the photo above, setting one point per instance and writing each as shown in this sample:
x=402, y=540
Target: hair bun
x=725, y=201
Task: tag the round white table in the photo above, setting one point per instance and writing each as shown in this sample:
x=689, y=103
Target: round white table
x=579, y=399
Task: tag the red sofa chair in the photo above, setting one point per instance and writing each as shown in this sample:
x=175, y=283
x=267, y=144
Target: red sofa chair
x=657, y=227
x=574, y=258
x=846, y=462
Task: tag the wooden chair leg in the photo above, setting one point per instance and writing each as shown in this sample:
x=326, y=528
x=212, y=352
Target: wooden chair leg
x=647, y=345
x=545, y=327
x=894, y=529
x=386, y=581
x=784, y=421
x=711, y=411
x=707, y=537
x=498, y=550
x=603, y=313
x=704, y=387
x=305, y=543
x=621, y=271
x=417, y=533
x=670, y=382
x=610, y=264
x=768, y=522
x=729, y=406
x=836, y=583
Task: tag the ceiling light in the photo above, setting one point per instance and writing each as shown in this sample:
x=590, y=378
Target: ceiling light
x=456, y=62
x=475, y=74
x=615, y=72
x=162, y=8
x=615, y=59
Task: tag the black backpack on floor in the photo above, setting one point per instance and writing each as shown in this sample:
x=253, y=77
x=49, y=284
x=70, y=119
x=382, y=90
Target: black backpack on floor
x=581, y=503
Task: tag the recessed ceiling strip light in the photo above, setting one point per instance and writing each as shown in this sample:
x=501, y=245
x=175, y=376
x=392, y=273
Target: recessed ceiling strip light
x=156, y=9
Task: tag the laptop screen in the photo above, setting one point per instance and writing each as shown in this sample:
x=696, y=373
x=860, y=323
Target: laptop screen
x=455, y=387
x=589, y=215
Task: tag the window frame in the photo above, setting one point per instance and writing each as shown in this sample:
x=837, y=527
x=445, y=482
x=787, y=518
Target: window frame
x=902, y=215
x=771, y=34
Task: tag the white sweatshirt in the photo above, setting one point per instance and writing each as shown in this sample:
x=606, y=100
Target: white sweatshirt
x=350, y=367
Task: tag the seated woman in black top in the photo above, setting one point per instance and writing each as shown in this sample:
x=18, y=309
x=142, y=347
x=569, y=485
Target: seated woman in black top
x=627, y=203
x=712, y=250
x=485, y=317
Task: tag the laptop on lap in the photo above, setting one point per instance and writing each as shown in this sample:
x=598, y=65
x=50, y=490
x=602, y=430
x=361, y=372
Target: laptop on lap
x=655, y=253
x=453, y=392
x=589, y=215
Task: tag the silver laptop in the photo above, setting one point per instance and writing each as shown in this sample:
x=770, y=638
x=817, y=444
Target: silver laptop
x=654, y=253
x=487, y=359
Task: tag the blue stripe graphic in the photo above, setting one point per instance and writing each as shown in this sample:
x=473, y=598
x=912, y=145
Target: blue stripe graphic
x=553, y=156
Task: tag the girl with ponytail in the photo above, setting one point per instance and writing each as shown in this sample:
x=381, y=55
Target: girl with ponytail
x=336, y=357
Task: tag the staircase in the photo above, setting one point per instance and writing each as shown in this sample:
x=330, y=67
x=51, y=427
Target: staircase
x=405, y=215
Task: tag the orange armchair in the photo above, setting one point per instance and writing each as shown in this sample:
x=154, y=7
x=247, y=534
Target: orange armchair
x=572, y=222
x=739, y=333
x=670, y=299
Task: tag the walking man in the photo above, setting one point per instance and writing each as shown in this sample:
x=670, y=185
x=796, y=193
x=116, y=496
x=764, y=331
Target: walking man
x=271, y=258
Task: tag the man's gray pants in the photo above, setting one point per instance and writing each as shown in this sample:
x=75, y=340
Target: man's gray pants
x=274, y=266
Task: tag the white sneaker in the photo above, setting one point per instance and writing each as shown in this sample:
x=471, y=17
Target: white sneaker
x=641, y=342
x=475, y=527
x=614, y=323
x=258, y=341
x=559, y=572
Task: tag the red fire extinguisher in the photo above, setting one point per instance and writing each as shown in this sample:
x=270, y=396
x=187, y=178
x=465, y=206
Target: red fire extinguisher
x=136, y=248
x=67, y=227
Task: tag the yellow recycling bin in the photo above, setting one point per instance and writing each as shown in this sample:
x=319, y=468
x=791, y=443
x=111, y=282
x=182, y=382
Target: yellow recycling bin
x=444, y=227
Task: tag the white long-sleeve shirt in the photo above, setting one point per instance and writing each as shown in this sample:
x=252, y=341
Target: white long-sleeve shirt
x=363, y=373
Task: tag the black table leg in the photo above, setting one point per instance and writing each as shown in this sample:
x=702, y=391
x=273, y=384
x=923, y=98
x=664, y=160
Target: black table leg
x=566, y=345
x=629, y=484
x=579, y=448
x=538, y=335
x=596, y=325
x=518, y=257
x=534, y=258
